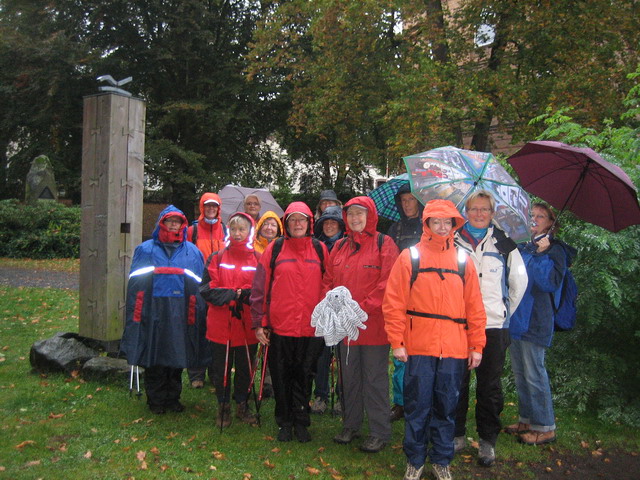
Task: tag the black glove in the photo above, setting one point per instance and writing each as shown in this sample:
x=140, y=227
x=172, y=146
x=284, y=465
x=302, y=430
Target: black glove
x=244, y=296
x=236, y=309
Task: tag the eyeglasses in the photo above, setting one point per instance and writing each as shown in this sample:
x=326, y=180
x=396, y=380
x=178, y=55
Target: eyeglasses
x=252, y=204
x=297, y=220
x=173, y=220
x=479, y=210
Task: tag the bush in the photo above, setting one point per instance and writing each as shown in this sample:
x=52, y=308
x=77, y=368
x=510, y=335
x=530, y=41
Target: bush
x=46, y=229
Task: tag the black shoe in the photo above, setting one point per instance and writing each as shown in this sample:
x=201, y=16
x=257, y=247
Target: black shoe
x=372, y=444
x=175, y=407
x=302, y=434
x=157, y=409
x=284, y=434
x=397, y=412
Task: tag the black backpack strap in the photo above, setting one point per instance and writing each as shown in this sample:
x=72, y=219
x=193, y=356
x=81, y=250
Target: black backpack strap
x=462, y=321
x=415, y=265
x=319, y=251
x=380, y=241
x=194, y=232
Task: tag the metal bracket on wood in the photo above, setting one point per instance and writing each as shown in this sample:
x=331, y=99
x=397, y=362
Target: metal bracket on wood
x=93, y=253
x=124, y=253
x=92, y=304
x=93, y=181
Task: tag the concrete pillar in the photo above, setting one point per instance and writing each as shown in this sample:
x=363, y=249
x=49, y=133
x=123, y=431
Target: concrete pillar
x=112, y=188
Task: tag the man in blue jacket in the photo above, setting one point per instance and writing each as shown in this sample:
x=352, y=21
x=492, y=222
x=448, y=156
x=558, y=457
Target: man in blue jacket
x=165, y=315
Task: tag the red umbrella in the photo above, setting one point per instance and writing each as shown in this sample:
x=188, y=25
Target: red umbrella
x=579, y=180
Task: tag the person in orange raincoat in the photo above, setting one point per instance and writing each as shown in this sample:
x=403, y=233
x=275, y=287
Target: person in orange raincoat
x=436, y=324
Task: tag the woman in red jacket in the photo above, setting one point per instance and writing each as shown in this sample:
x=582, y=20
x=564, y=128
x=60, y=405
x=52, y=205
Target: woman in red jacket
x=283, y=296
x=226, y=286
x=362, y=263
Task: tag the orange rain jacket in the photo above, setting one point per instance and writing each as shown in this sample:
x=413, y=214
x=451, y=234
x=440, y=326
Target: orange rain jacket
x=431, y=294
x=260, y=243
x=210, y=235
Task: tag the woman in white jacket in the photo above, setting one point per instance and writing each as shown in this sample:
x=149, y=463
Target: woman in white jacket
x=503, y=281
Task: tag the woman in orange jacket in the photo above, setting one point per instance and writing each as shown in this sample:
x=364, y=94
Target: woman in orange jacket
x=435, y=321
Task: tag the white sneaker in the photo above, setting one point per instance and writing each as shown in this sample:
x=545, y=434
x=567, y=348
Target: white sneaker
x=442, y=472
x=459, y=443
x=413, y=473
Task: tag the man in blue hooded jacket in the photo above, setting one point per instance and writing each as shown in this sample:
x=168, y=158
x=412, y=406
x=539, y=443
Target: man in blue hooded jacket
x=165, y=314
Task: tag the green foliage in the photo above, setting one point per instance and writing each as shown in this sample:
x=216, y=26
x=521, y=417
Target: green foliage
x=595, y=366
x=46, y=229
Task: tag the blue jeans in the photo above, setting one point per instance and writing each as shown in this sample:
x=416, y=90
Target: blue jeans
x=398, y=382
x=535, y=405
x=431, y=387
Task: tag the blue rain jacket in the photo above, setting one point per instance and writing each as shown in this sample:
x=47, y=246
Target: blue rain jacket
x=165, y=314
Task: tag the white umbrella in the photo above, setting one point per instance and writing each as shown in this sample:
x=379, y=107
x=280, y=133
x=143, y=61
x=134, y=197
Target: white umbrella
x=233, y=196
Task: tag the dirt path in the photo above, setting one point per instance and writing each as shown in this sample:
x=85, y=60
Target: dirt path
x=21, y=277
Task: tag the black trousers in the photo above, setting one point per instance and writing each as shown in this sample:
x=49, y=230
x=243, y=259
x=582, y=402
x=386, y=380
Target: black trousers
x=163, y=385
x=242, y=375
x=489, y=398
x=293, y=362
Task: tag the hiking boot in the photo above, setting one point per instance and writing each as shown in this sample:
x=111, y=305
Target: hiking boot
x=459, y=444
x=243, y=412
x=157, y=409
x=441, y=472
x=337, y=408
x=197, y=384
x=223, y=419
x=176, y=407
x=413, y=473
x=319, y=406
x=486, y=454
x=284, y=434
x=517, y=428
x=346, y=436
x=302, y=434
x=534, y=437
x=397, y=412
x=372, y=444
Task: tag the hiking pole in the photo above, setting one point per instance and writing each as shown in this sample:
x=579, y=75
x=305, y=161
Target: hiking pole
x=252, y=385
x=131, y=382
x=332, y=379
x=137, y=370
x=340, y=380
x=265, y=356
x=225, y=379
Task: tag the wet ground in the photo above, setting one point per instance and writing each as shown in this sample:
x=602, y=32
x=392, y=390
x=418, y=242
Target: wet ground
x=20, y=277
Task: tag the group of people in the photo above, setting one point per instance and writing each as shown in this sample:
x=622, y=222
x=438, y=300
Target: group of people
x=445, y=295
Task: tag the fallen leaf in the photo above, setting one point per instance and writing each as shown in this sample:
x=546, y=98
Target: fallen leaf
x=246, y=476
x=137, y=420
x=63, y=447
x=88, y=454
x=25, y=443
x=323, y=463
x=94, y=430
x=548, y=469
x=597, y=453
x=312, y=470
x=218, y=455
x=268, y=464
x=275, y=450
x=607, y=460
x=213, y=467
x=143, y=465
x=134, y=439
x=584, y=444
x=269, y=438
x=141, y=455
x=475, y=445
x=75, y=373
x=56, y=415
x=187, y=469
x=172, y=435
x=32, y=463
x=117, y=440
x=155, y=451
x=164, y=468
x=321, y=449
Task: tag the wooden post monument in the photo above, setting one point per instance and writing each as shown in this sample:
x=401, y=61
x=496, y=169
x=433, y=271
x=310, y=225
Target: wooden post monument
x=112, y=188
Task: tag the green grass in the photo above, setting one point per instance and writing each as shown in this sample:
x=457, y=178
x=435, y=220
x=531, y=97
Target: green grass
x=56, y=426
x=71, y=265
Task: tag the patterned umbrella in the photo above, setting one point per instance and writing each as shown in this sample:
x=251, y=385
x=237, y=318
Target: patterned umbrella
x=384, y=197
x=451, y=173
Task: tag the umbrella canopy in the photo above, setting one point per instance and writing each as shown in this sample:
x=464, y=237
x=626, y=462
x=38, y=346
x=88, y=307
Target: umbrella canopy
x=384, y=197
x=579, y=180
x=233, y=196
x=452, y=173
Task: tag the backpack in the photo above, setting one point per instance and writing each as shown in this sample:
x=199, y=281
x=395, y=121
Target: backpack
x=415, y=270
x=565, y=309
